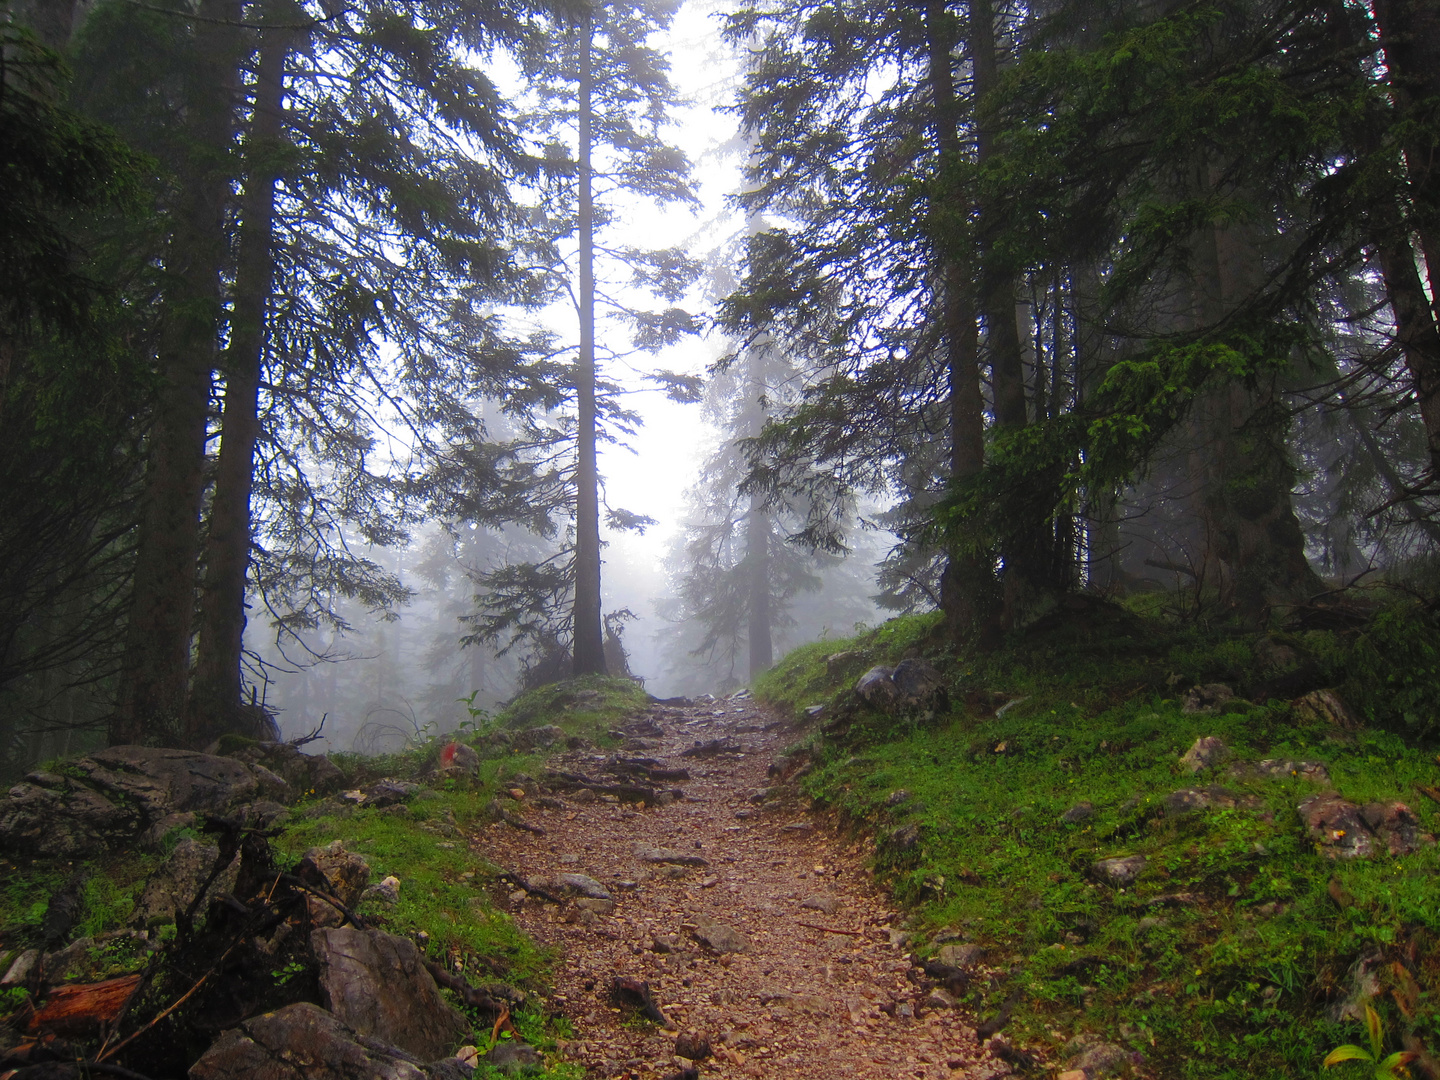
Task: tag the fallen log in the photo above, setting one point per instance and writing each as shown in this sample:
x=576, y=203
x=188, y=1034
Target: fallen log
x=82, y=1010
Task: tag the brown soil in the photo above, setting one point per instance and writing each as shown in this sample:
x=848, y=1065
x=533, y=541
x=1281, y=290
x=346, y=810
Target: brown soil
x=802, y=1002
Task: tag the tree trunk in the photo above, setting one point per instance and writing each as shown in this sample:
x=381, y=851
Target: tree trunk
x=589, y=653
x=1024, y=550
x=997, y=281
x=1410, y=36
x=967, y=584
x=757, y=560
x=215, y=696
x=1253, y=541
x=155, y=666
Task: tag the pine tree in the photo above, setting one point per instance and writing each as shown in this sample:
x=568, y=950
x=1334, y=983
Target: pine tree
x=600, y=83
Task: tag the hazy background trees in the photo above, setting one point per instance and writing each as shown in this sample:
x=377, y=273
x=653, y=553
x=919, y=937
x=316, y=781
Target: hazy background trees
x=319, y=328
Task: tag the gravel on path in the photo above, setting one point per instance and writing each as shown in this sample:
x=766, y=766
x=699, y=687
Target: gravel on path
x=778, y=950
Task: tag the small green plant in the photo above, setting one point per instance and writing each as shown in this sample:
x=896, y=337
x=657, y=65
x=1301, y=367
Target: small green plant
x=12, y=999
x=480, y=721
x=289, y=971
x=1388, y=1068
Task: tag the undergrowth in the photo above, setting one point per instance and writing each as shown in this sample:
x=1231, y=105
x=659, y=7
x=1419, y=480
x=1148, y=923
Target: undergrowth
x=1232, y=951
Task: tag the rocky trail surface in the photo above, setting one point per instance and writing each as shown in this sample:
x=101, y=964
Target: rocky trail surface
x=764, y=944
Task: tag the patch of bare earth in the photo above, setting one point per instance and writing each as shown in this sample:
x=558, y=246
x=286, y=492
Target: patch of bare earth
x=817, y=989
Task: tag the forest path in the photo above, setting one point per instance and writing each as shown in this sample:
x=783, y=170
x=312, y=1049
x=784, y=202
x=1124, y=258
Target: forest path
x=801, y=1002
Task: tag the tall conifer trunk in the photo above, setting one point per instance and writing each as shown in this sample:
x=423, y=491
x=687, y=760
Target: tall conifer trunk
x=1254, y=546
x=156, y=663
x=967, y=584
x=215, y=694
x=757, y=559
x=1024, y=550
x=589, y=654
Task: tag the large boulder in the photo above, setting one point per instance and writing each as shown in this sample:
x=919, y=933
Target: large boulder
x=304, y=1042
x=377, y=984
x=116, y=794
x=919, y=686
x=1342, y=830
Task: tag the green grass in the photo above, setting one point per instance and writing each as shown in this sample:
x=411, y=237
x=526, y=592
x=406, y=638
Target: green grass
x=1233, y=984
x=436, y=896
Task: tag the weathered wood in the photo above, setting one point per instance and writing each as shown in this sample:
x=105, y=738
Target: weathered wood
x=79, y=1010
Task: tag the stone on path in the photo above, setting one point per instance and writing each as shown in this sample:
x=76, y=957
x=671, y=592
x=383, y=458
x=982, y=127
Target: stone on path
x=719, y=937
x=649, y=854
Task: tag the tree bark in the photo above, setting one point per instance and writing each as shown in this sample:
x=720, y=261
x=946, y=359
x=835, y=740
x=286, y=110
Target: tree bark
x=215, y=694
x=155, y=666
x=757, y=559
x=589, y=651
x=1253, y=540
x=967, y=584
x=997, y=282
x=1410, y=37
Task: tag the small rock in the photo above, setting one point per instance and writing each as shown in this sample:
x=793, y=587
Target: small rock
x=1081, y=811
x=583, y=796
x=905, y=839
x=802, y=828
x=939, y=999
x=386, y=891
x=332, y=869
x=1313, y=771
x=598, y=906
x=1362, y=983
x=961, y=956
x=582, y=885
x=513, y=1056
x=1326, y=707
x=665, y=943
x=459, y=758
x=719, y=937
x=1119, y=872
x=1396, y=826
x=814, y=712
x=919, y=686
x=538, y=738
x=824, y=902
x=692, y=1045
x=21, y=967
x=1207, y=698
x=1206, y=751
x=877, y=688
x=1336, y=826
x=668, y=855
x=1101, y=1059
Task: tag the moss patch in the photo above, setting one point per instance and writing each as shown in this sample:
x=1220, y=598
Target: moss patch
x=1225, y=956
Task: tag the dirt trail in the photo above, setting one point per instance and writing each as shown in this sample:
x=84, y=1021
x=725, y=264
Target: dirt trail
x=801, y=1002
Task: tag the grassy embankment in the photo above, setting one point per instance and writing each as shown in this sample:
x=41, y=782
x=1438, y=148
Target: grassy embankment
x=446, y=889
x=1232, y=980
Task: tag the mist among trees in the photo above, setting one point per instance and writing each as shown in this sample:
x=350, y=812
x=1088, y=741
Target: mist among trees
x=321, y=326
